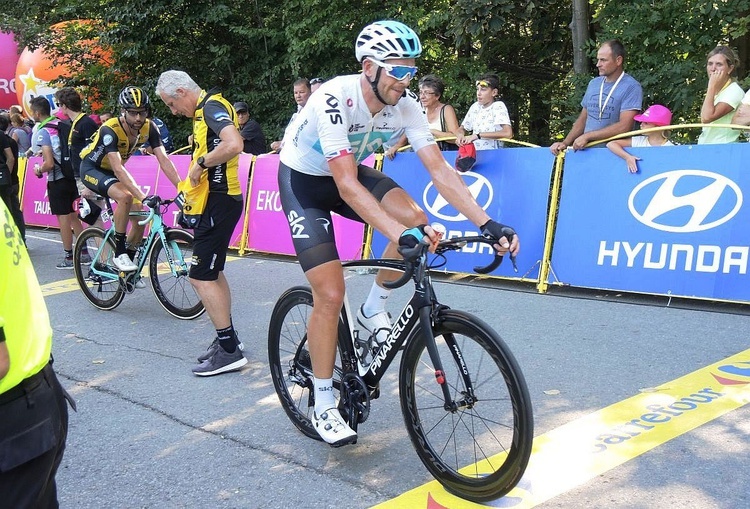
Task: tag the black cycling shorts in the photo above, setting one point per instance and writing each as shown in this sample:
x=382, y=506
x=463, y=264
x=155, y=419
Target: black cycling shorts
x=97, y=179
x=61, y=194
x=308, y=201
x=213, y=235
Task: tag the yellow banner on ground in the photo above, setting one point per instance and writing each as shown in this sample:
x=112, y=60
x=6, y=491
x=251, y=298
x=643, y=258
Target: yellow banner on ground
x=576, y=452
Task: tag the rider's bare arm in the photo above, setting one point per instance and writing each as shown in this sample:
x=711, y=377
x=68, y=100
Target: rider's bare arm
x=124, y=176
x=344, y=171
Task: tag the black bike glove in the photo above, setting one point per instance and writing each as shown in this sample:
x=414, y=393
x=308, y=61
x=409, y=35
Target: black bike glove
x=411, y=237
x=152, y=201
x=496, y=230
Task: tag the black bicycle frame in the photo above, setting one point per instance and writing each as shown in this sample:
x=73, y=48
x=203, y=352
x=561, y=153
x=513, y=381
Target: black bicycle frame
x=419, y=309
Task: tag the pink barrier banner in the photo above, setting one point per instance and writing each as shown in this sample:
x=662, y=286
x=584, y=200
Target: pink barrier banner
x=268, y=230
x=36, y=211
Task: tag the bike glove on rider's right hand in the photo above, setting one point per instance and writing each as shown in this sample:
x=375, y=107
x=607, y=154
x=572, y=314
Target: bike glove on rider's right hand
x=497, y=230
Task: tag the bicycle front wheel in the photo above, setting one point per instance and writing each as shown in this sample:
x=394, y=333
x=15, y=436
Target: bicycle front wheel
x=168, y=270
x=289, y=358
x=95, y=272
x=479, y=448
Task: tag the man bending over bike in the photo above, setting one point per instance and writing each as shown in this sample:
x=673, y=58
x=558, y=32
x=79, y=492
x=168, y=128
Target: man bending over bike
x=103, y=170
x=344, y=122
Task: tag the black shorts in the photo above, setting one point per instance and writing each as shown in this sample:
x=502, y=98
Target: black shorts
x=62, y=193
x=308, y=201
x=97, y=179
x=213, y=235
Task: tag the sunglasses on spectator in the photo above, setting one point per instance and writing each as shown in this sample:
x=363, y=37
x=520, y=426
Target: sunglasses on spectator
x=397, y=72
x=315, y=81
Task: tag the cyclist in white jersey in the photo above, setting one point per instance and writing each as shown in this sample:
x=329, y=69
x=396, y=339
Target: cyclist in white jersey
x=344, y=122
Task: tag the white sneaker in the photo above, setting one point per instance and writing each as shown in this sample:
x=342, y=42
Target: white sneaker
x=140, y=283
x=123, y=263
x=332, y=428
x=378, y=324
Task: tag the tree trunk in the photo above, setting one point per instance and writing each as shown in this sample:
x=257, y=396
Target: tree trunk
x=580, y=30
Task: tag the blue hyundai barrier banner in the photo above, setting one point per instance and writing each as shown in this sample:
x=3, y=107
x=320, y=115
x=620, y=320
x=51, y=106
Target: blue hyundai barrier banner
x=679, y=227
x=512, y=185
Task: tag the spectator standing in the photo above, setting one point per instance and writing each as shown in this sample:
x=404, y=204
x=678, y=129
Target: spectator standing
x=441, y=117
x=166, y=138
x=62, y=191
x=487, y=118
x=611, y=101
x=723, y=95
x=216, y=148
x=302, y=93
x=33, y=411
x=250, y=130
x=655, y=116
x=20, y=133
x=10, y=187
x=82, y=130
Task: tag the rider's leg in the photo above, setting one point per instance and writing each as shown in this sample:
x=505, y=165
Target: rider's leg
x=327, y=282
x=124, y=199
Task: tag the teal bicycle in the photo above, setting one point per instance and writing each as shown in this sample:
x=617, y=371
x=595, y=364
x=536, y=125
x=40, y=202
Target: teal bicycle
x=166, y=251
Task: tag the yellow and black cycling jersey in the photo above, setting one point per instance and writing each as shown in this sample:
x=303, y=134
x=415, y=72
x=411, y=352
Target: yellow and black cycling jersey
x=111, y=137
x=213, y=114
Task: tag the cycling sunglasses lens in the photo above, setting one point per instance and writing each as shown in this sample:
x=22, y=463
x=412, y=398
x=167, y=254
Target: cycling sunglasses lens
x=402, y=72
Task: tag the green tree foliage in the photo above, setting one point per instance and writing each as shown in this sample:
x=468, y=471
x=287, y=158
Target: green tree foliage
x=255, y=50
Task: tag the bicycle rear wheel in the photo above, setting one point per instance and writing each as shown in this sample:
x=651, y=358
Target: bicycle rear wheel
x=289, y=358
x=480, y=450
x=169, y=280
x=101, y=289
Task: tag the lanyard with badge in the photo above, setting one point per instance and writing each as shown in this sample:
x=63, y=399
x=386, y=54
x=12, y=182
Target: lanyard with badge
x=601, y=92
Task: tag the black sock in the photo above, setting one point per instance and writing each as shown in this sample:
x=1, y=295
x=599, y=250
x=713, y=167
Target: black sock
x=68, y=253
x=227, y=338
x=119, y=243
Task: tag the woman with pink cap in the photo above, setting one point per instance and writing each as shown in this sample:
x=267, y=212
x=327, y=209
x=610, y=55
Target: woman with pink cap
x=655, y=116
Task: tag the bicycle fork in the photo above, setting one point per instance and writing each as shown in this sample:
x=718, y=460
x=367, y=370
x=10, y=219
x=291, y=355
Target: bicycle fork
x=450, y=405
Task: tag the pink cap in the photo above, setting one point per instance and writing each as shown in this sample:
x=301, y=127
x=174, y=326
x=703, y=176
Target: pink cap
x=655, y=114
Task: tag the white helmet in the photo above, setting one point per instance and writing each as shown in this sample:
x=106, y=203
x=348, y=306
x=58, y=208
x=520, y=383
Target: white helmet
x=387, y=39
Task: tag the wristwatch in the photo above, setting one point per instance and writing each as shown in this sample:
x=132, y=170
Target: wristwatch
x=201, y=163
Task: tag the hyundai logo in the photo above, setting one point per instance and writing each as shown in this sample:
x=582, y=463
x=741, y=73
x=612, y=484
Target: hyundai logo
x=480, y=189
x=685, y=201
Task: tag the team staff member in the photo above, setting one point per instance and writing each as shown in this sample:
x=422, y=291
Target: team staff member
x=216, y=147
x=347, y=119
x=103, y=170
x=33, y=411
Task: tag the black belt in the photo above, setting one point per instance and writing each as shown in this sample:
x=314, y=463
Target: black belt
x=24, y=387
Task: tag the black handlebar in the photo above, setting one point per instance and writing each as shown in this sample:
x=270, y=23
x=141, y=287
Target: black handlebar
x=415, y=257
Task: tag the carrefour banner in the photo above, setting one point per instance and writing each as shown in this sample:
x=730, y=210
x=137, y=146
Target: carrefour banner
x=678, y=227
x=512, y=185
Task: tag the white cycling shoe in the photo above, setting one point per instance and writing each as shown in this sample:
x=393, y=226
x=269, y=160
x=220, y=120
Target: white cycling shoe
x=123, y=263
x=332, y=428
x=378, y=324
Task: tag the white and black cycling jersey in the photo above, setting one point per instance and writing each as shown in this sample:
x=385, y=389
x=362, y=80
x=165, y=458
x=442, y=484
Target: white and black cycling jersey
x=336, y=122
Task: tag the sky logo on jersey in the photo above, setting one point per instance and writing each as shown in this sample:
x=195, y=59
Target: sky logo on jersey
x=478, y=185
x=733, y=374
x=685, y=201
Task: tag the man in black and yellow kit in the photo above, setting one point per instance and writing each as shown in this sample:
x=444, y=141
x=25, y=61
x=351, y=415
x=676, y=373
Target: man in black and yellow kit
x=217, y=144
x=103, y=170
x=33, y=411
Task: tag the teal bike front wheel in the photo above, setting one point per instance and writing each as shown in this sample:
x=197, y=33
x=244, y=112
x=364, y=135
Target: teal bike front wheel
x=168, y=270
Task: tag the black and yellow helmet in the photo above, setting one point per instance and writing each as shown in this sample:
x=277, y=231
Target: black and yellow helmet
x=133, y=97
